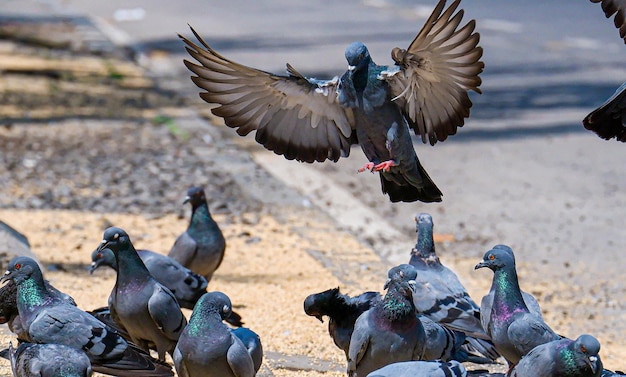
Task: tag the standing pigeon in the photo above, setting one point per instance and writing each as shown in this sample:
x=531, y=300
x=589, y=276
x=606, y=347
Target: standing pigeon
x=342, y=311
x=388, y=332
x=207, y=347
x=562, y=358
x=144, y=307
x=48, y=360
x=422, y=369
x=252, y=342
x=313, y=120
x=49, y=319
x=185, y=284
x=513, y=329
x=201, y=247
x=609, y=120
x=439, y=294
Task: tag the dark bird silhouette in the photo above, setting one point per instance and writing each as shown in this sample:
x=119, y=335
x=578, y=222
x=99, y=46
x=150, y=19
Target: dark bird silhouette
x=609, y=120
x=309, y=120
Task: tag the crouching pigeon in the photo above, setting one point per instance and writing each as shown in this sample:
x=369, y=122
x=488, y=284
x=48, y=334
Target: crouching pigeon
x=47, y=360
x=421, y=369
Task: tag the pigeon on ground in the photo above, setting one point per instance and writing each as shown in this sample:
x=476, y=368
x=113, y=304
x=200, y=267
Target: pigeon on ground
x=8, y=307
x=207, y=347
x=201, y=247
x=342, y=311
x=185, y=284
x=388, y=332
x=309, y=120
x=144, y=307
x=439, y=294
x=421, y=369
x=51, y=320
x=252, y=342
x=47, y=360
x=562, y=358
x=514, y=330
x=609, y=120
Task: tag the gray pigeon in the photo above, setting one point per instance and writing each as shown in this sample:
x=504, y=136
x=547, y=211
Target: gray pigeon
x=341, y=310
x=207, y=347
x=252, y=342
x=48, y=360
x=8, y=307
x=49, y=319
x=421, y=369
x=185, y=284
x=144, y=307
x=313, y=120
x=514, y=330
x=388, y=332
x=562, y=358
x=201, y=247
x=609, y=120
x=439, y=294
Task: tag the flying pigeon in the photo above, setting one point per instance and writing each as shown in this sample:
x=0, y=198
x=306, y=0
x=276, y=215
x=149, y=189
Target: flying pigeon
x=49, y=319
x=422, y=369
x=341, y=310
x=48, y=360
x=609, y=120
x=185, y=284
x=388, y=332
x=207, y=347
x=514, y=330
x=309, y=120
x=439, y=294
x=145, y=308
x=201, y=247
x=563, y=358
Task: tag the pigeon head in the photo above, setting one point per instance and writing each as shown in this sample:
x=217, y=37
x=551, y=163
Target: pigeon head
x=499, y=257
x=403, y=272
x=195, y=196
x=357, y=56
x=102, y=257
x=114, y=239
x=589, y=347
x=423, y=218
x=425, y=244
x=318, y=304
x=214, y=302
x=22, y=268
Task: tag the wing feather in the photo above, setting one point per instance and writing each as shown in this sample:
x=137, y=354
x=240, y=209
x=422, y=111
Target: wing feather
x=292, y=115
x=437, y=71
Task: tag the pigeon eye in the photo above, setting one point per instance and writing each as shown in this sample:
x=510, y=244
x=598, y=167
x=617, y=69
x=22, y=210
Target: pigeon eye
x=99, y=255
x=583, y=349
x=18, y=266
x=492, y=257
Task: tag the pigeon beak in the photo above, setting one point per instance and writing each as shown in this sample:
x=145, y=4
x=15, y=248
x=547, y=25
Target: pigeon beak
x=187, y=199
x=593, y=363
x=103, y=245
x=6, y=277
x=387, y=284
x=92, y=268
x=351, y=68
x=320, y=317
x=412, y=285
x=481, y=264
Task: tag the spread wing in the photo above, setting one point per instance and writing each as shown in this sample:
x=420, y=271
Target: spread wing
x=294, y=116
x=434, y=75
x=617, y=8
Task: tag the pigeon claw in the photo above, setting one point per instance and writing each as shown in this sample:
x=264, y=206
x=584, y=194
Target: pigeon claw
x=369, y=166
x=385, y=166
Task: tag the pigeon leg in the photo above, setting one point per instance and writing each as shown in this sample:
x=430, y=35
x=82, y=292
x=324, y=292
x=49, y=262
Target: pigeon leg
x=385, y=166
x=369, y=166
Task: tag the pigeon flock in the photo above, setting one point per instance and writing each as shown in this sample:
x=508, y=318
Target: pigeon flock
x=425, y=324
